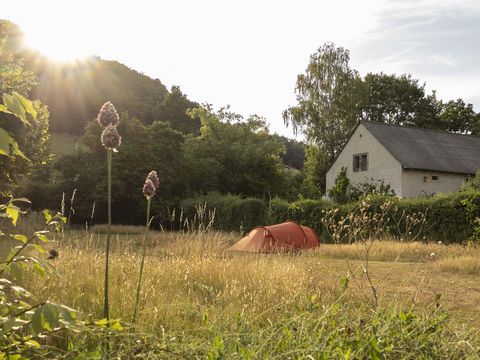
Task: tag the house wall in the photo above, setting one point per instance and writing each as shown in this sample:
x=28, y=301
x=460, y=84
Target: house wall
x=381, y=164
x=415, y=186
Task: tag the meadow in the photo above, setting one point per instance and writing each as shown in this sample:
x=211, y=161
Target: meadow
x=202, y=301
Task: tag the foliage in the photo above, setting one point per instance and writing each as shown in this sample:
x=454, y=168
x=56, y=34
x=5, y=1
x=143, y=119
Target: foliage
x=174, y=111
x=338, y=192
x=337, y=333
x=400, y=99
x=143, y=147
x=13, y=75
x=332, y=98
x=25, y=327
x=449, y=218
x=294, y=155
x=23, y=124
x=367, y=187
x=234, y=155
x=329, y=97
x=227, y=212
x=85, y=86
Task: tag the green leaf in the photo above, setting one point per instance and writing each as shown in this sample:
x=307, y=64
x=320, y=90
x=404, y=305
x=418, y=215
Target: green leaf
x=36, y=324
x=51, y=316
x=32, y=343
x=39, y=248
x=47, y=215
x=15, y=271
x=115, y=325
x=21, y=238
x=39, y=269
x=41, y=237
x=69, y=315
x=25, y=200
x=7, y=143
x=15, y=106
x=344, y=283
x=12, y=213
x=7, y=325
x=27, y=104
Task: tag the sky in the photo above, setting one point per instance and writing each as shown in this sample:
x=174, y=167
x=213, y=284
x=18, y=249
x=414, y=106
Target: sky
x=247, y=54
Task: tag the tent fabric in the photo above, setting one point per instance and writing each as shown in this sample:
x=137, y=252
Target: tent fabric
x=287, y=236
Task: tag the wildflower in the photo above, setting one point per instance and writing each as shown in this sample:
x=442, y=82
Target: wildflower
x=148, y=188
x=108, y=115
x=110, y=137
x=152, y=176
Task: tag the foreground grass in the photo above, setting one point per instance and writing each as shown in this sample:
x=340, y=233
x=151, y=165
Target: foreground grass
x=200, y=300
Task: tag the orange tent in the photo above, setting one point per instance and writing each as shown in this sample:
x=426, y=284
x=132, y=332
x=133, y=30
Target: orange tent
x=288, y=236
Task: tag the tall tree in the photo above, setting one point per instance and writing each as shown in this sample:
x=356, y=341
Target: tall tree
x=456, y=116
x=401, y=100
x=330, y=97
x=233, y=155
x=174, y=110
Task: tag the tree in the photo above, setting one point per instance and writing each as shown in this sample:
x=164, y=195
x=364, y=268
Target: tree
x=456, y=116
x=330, y=97
x=339, y=191
x=174, y=110
x=27, y=138
x=143, y=148
x=13, y=76
x=294, y=155
x=400, y=100
x=233, y=155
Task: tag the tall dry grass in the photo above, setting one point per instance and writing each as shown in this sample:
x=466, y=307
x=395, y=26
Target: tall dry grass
x=189, y=275
x=197, y=297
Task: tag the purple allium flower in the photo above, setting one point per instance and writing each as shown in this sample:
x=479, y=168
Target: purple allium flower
x=108, y=115
x=110, y=137
x=153, y=177
x=148, y=188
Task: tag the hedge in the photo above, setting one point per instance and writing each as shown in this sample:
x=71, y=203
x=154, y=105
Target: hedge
x=449, y=218
x=232, y=212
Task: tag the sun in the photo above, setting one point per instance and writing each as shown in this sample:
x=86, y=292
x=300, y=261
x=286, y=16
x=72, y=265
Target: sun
x=58, y=47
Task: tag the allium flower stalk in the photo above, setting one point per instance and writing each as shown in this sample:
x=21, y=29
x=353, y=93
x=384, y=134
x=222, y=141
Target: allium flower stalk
x=153, y=177
x=111, y=139
x=108, y=115
x=108, y=119
x=149, y=188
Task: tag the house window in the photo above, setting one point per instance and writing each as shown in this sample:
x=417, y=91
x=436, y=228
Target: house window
x=435, y=178
x=360, y=162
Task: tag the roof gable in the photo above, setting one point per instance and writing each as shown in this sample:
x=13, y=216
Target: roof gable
x=426, y=149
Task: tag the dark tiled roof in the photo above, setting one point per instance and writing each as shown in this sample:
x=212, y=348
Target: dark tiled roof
x=426, y=149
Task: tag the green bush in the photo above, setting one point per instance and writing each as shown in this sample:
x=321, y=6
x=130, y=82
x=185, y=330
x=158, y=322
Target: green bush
x=449, y=218
x=231, y=212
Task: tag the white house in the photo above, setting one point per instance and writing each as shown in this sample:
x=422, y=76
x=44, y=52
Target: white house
x=415, y=162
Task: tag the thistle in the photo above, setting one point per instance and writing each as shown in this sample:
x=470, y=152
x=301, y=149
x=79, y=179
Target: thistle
x=149, y=189
x=108, y=115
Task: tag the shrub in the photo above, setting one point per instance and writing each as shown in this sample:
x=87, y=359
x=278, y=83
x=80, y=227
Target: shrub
x=449, y=218
x=230, y=212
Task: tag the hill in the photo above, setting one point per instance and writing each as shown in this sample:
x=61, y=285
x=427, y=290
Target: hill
x=75, y=91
